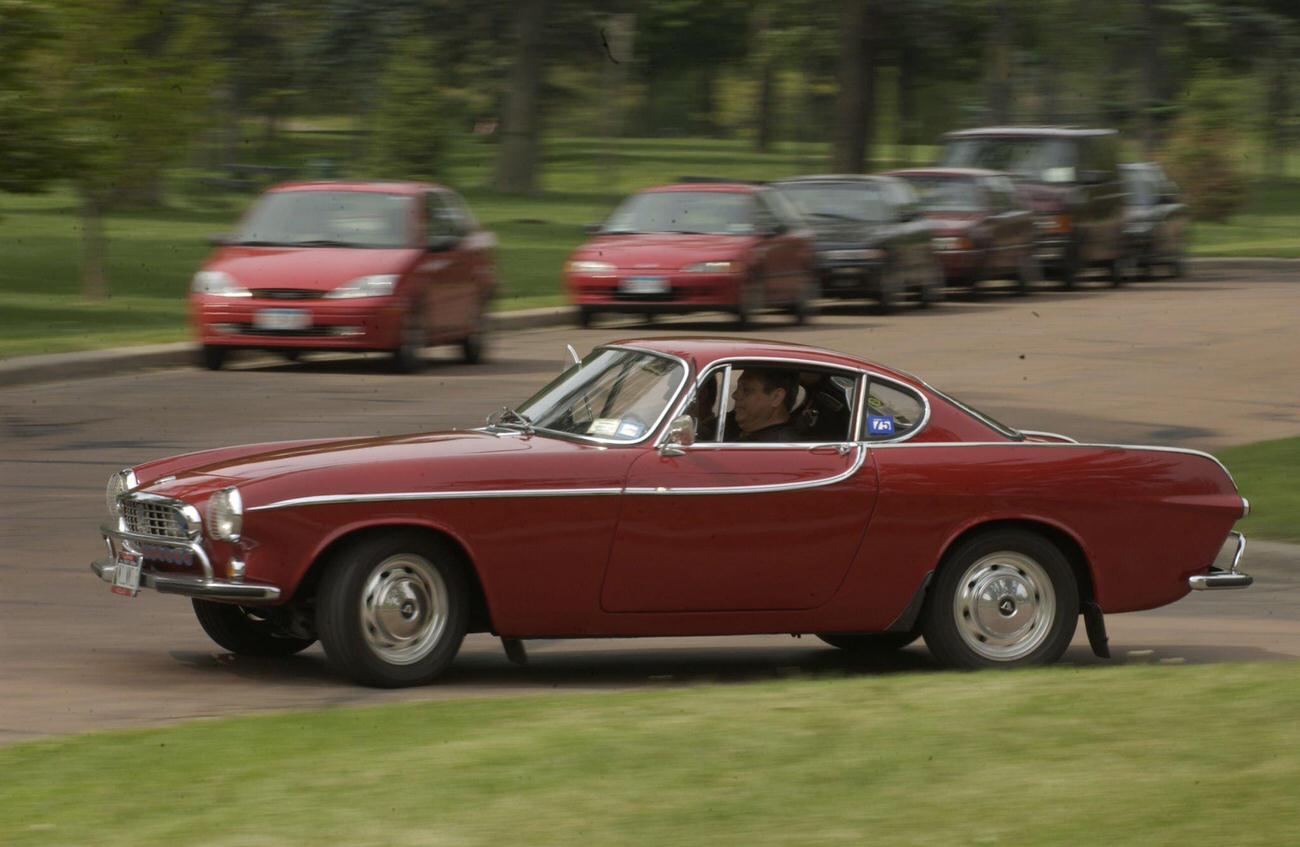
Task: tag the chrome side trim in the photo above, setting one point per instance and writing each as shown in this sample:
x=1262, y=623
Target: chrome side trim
x=1245, y=507
x=193, y=546
x=763, y=489
x=1241, y=549
x=207, y=588
x=326, y=499
x=1068, y=439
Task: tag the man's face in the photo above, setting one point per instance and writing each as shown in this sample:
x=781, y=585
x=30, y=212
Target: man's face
x=756, y=408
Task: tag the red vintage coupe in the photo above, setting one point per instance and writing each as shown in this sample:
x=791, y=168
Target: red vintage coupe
x=678, y=486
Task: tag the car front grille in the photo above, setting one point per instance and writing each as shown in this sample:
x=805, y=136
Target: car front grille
x=287, y=294
x=147, y=518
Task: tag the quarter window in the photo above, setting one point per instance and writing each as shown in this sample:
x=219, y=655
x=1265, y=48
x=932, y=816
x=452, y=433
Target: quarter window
x=892, y=412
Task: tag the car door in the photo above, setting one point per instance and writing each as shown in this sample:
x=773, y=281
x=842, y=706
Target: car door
x=774, y=252
x=732, y=526
x=447, y=271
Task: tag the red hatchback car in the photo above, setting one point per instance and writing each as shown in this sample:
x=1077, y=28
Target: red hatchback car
x=362, y=266
x=693, y=247
x=672, y=487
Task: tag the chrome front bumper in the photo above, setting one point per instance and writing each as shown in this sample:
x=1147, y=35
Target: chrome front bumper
x=204, y=585
x=1218, y=579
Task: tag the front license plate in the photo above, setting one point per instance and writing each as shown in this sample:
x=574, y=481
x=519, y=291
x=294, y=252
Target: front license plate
x=282, y=319
x=126, y=576
x=644, y=285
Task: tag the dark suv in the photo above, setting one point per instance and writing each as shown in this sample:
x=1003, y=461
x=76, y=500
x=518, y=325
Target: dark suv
x=1070, y=178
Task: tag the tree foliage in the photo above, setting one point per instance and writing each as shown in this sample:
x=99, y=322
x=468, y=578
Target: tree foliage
x=29, y=140
x=412, y=122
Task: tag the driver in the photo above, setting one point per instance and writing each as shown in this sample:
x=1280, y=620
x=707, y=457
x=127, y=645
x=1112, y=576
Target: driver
x=764, y=398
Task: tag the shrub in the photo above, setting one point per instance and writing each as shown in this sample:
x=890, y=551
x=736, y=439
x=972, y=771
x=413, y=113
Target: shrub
x=1203, y=149
x=412, y=125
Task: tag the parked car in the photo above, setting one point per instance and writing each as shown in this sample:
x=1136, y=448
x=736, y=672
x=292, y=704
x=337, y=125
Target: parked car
x=361, y=266
x=1155, y=219
x=981, y=227
x=639, y=494
x=695, y=246
x=872, y=240
x=1070, y=178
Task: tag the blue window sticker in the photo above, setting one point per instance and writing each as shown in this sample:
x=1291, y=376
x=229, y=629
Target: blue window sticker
x=880, y=424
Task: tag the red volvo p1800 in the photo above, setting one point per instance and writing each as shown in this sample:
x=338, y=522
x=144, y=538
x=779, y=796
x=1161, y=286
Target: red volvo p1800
x=678, y=487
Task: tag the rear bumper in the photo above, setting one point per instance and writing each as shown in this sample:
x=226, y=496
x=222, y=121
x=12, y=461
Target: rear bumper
x=1218, y=579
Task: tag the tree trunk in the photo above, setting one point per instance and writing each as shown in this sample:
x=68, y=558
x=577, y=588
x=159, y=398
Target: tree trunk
x=1151, y=82
x=1277, y=110
x=94, y=281
x=517, y=156
x=765, y=107
x=856, y=77
x=908, y=130
x=1000, y=95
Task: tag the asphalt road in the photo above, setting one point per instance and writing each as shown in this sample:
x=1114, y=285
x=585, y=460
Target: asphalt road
x=1200, y=363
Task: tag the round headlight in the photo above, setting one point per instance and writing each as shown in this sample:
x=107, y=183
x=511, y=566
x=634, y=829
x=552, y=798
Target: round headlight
x=226, y=515
x=118, y=484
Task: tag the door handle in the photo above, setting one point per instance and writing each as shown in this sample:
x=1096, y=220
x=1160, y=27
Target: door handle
x=824, y=449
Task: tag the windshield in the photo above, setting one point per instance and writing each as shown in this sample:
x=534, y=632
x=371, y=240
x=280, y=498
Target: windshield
x=329, y=219
x=831, y=201
x=1038, y=159
x=947, y=194
x=704, y=212
x=612, y=395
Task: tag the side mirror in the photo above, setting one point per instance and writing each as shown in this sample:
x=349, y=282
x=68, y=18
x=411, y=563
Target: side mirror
x=441, y=243
x=220, y=239
x=681, y=433
x=592, y=229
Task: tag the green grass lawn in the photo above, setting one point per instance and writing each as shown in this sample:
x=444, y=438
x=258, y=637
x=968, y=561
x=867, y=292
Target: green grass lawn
x=1266, y=474
x=1132, y=755
x=153, y=254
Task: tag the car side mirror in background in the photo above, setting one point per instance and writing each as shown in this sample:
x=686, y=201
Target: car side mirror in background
x=593, y=229
x=440, y=243
x=681, y=433
x=220, y=239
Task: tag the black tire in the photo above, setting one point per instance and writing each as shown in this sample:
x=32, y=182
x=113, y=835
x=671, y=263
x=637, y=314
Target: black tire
x=246, y=630
x=1121, y=269
x=291, y=354
x=1069, y=270
x=584, y=316
x=473, y=347
x=869, y=643
x=1028, y=274
x=392, y=609
x=802, y=309
x=1004, y=599
x=213, y=357
x=887, y=295
x=407, y=357
x=929, y=289
x=750, y=301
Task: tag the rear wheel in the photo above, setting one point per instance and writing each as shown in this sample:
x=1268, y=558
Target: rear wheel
x=802, y=310
x=1005, y=599
x=929, y=290
x=407, y=357
x=474, y=346
x=213, y=357
x=1028, y=274
x=392, y=609
x=585, y=315
x=869, y=643
x=246, y=631
x=1122, y=268
x=891, y=282
x=751, y=300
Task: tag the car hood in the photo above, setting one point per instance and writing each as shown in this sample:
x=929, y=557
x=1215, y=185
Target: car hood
x=1045, y=198
x=455, y=461
x=842, y=232
x=662, y=251
x=314, y=268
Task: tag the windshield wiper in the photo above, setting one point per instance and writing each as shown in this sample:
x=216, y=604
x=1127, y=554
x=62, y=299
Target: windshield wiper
x=324, y=242
x=516, y=420
x=256, y=243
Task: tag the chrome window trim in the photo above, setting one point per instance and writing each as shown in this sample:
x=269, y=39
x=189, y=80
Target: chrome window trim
x=1067, y=438
x=652, y=429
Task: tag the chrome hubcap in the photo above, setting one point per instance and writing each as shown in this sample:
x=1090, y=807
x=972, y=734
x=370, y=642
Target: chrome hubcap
x=1004, y=606
x=403, y=609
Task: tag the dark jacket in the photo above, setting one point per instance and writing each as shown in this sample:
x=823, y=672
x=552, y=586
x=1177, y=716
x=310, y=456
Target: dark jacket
x=776, y=433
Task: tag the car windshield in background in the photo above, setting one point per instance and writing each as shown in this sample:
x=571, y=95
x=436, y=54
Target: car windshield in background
x=947, y=194
x=329, y=219
x=1037, y=159
x=704, y=212
x=836, y=202
x=612, y=395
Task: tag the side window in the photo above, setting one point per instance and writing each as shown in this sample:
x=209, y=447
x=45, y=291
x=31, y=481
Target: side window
x=764, y=220
x=440, y=218
x=892, y=411
x=460, y=209
x=773, y=404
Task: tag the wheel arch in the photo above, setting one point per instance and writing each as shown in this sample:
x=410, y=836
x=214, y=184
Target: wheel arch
x=1063, y=540
x=480, y=616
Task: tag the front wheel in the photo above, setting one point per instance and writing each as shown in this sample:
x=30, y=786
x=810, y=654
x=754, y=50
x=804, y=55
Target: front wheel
x=1028, y=274
x=1006, y=599
x=246, y=631
x=392, y=609
x=213, y=357
x=474, y=346
x=407, y=357
x=802, y=309
x=750, y=301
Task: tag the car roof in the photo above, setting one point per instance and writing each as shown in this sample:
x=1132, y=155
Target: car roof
x=1030, y=132
x=381, y=186
x=705, y=350
x=972, y=173
x=719, y=187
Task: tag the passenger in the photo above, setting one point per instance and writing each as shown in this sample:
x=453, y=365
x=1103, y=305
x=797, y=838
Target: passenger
x=764, y=399
x=706, y=418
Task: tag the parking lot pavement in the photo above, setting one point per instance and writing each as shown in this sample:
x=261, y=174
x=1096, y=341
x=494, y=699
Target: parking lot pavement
x=1201, y=363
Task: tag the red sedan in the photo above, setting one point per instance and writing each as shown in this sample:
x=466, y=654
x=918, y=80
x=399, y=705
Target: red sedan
x=694, y=247
x=360, y=266
x=678, y=487
x=981, y=228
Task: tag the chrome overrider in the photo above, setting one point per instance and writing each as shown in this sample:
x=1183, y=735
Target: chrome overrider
x=1218, y=579
x=205, y=586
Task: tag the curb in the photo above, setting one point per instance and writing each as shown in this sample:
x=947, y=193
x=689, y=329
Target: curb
x=27, y=370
